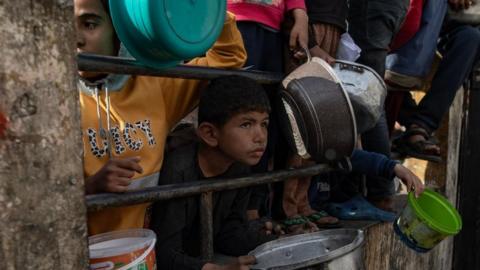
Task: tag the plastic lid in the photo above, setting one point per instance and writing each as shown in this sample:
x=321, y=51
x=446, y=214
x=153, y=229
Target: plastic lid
x=161, y=33
x=436, y=211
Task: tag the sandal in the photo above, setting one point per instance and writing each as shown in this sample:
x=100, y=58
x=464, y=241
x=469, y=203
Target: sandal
x=298, y=225
x=417, y=149
x=319, y=219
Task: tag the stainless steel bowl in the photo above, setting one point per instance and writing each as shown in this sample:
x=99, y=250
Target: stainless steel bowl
x=337, y=249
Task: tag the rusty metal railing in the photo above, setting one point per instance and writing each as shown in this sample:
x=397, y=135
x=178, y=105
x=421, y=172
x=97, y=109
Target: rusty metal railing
x=166, y=192
x=203, y=188
x=117, y=65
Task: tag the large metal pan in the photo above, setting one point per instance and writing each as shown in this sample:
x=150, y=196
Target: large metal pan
x=338, y=249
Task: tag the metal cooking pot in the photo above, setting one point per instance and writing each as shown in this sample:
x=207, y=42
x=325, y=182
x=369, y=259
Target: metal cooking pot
x=366, y=89
x=315, y=113
x=337, y=249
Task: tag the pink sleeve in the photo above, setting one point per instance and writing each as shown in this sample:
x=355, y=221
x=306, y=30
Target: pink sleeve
x=293, y=4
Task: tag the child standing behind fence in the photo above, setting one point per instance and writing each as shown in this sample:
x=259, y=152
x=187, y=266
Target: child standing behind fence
x=232, y=128
x=126, y=119
x=260, y=22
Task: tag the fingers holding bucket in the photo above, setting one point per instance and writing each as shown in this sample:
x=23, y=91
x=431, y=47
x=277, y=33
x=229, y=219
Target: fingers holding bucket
x=413, y=183
x=417, y=186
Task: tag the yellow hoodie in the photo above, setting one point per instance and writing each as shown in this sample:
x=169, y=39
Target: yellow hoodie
x=142, y=112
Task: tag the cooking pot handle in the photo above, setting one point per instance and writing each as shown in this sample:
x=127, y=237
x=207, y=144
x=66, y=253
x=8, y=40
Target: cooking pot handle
x=353, y=68
x=307, y=53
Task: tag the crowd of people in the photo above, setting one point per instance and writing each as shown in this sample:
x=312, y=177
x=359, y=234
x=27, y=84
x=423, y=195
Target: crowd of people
x=126, y=120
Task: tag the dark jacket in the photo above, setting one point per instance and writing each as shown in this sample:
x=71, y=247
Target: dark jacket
x=177, y=223
x=372, y=164
x=328, y=11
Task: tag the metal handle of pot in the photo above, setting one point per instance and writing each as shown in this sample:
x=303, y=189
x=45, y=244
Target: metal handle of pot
x=345, y=66
x=307, y=53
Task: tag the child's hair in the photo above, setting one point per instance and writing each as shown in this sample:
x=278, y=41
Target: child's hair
x=227, y=96
x=116, y=40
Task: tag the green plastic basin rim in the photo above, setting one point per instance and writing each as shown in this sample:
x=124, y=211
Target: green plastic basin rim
x=432, y=223
x=161, y=33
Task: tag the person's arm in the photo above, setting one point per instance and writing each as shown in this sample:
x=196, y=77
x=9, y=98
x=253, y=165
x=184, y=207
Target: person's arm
x=181, y=95
x=169, y=220
x=168, y=224
x=375, y=164
x=299, y=33
x=257, y=198
x=228, y=51
x=372, y=164
x=234, y=237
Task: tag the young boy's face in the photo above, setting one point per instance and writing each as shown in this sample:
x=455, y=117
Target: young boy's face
x=244, y=137
x=95, y=33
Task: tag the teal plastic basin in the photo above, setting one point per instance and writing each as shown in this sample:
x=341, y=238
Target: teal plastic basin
x=161, y=33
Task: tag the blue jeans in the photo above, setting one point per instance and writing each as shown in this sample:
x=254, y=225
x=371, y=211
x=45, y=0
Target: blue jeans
x=372, y=25
x=460, y=48
x=416, y=56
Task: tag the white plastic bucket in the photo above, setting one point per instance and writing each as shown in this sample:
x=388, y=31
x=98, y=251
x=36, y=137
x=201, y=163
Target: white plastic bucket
x=132, y=249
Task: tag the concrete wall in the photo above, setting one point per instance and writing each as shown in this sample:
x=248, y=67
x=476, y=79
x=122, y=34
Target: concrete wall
x=42, y=212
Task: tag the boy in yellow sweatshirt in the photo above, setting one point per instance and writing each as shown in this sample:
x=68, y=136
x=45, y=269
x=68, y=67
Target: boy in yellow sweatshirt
x=126, y=119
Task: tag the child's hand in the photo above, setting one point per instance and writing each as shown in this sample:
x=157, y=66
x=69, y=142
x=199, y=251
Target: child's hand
x=320, y=53
x=299, y=32
x=115, y=176
x=409, y=179
x=271, y=227
x=327, y=37
x=240, y=263
x=265, y=226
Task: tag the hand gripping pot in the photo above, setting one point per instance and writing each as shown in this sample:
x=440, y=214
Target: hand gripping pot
x=367, y=92
x=316, y=114
x=162, y=33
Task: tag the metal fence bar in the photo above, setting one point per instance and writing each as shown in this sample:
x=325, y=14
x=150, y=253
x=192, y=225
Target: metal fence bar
x=100, y=201
x=206, y=225
x=118, y=65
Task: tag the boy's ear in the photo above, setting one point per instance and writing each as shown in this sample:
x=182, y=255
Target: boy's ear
x=208, y=133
